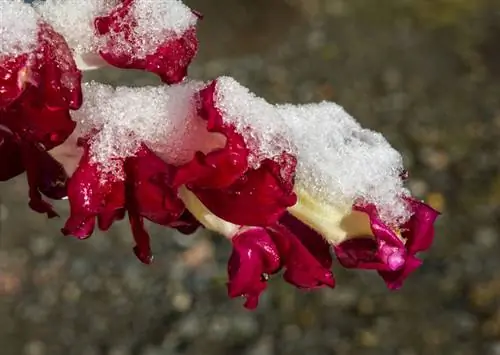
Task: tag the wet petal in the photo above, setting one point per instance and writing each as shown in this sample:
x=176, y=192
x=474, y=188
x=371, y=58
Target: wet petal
x=254, y=256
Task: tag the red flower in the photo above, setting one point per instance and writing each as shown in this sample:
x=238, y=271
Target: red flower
x=224, y=182
x=144, y=192
x=38, y=90
x=392, y=255
x=260, y=252
x=127, y=47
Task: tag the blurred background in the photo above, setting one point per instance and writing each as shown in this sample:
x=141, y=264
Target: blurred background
x=425, y=73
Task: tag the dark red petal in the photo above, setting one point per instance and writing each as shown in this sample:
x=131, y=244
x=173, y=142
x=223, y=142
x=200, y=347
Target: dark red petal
x=39, y=166
x=254, y=254
x=34, y=122
x=52, y=181
x=258, y=198
x=12, y=70
x=169, y=60
x=186, y=223
x=221, y=167
x=150, y=192
x=11, y=163
x=142, y=247
x=305, y=254
x=91, y=193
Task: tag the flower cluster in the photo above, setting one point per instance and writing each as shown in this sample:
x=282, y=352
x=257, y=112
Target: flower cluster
x=289, y=185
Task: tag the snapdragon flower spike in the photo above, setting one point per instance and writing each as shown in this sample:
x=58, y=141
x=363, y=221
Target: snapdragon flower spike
x=144, y=193
x=391, y=253
x=159, y=37
x=225, y=183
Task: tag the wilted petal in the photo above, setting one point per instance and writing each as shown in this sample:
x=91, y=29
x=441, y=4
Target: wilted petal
x=254, y=256
x=305, y=255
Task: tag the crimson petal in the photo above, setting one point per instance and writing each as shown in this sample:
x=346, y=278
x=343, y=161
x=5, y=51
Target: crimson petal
x=305, y=254
x=253, y=257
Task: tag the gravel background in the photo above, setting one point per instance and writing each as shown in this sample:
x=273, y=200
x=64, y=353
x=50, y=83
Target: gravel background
x=423, y=72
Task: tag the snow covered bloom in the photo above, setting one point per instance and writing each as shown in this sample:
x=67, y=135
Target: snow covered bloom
x=39, y=84
x=289, y=185
x=156, y=36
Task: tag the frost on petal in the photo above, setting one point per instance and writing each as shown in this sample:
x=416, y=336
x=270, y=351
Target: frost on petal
x=254, y=256
x=225, y=182
x=305, y=255
x=91, y=194
x=158, y=36
x=222, y=166
x=59, y=78
x=390, y=253
x=162, y=117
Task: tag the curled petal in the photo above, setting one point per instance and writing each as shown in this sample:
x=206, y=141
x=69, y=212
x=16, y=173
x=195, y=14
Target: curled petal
x=92, y=193
x=419, y=230
x=305, y=255
x=126, y=47
x=254, y=256
x=221, y=167
x=392, y=255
